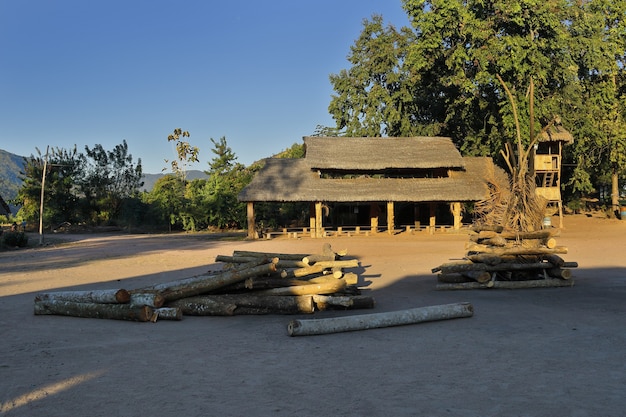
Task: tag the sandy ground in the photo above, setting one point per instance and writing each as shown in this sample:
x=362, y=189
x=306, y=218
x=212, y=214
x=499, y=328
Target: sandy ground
x=537, y=352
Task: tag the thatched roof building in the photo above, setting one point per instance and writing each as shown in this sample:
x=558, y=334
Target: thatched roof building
x=372, y=170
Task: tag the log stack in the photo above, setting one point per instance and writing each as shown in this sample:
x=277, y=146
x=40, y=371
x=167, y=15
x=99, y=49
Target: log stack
x=502, y=259
x=248, y=283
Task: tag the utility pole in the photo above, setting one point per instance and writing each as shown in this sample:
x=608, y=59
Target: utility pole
x=43, y=184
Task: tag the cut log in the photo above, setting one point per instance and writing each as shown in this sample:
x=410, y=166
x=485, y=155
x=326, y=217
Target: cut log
x=166, y=313
x=559, y=273
x=351, y=278
x=93, y=310
x=95, y=296
x=302, y=272
x=237, y=304
x=473, y=247
x=478, y=276
x=205, y=283
x=329, y=287
x=312, y=259
x=452, y=278
x=270, y=255
x=494, y=241
x=509, y=266
x=379, y=320
x=347, y=302
x=151, y=299
x=536, y=283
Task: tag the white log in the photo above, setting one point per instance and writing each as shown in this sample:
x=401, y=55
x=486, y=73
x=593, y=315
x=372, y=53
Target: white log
x=378, y=320
x=95, y=296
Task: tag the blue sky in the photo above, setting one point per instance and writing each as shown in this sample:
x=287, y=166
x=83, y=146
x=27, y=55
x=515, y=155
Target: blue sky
x=76, y=72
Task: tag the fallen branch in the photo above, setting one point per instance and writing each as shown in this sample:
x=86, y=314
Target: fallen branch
x=93, y=310
x=95, y=296
x=535, y=283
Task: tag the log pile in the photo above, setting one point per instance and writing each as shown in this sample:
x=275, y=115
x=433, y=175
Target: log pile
x=499, y=259
x=248, y=283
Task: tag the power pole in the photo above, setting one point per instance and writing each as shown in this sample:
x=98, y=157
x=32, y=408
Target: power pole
x=43, y=184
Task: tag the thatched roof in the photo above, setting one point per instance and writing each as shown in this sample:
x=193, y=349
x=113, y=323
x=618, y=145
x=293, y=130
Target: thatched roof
x=556, y=133
x=293, y=180
x=381, y=153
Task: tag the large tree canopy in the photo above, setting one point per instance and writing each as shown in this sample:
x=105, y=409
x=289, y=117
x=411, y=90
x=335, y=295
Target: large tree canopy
x=447, y=76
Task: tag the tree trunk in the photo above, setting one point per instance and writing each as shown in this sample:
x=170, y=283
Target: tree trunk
x=535, y=283
x=342, y=302
x=329, y=287
x=378, y=320
x=515, y=251
x=200, y=284
x=478, y=276
x=95, y=296
x=166, y=313
x=237, y=304
x=93, y=310
x=151, y=299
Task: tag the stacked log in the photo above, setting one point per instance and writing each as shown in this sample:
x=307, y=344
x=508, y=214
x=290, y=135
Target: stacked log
x=504, y=259
x=248, y=283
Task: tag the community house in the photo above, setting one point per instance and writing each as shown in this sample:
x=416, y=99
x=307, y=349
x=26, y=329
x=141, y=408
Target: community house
x=374, y=184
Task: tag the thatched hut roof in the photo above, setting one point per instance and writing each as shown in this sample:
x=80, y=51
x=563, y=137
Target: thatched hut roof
x=294, y=181
x=556, y=133
x=381, y=153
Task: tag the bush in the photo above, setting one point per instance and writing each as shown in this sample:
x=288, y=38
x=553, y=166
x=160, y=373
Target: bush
x=14, y=239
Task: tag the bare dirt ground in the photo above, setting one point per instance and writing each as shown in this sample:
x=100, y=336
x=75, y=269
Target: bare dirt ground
x=536, y=352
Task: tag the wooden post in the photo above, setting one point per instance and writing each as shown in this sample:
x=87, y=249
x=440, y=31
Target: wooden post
x=456, y=212
x=312, y=219
x=374, y=213
x=318, y=219
x=390, y=218
x=251, y=223
x=433, y=217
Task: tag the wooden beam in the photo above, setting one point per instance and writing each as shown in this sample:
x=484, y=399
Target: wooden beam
x=456, y=212
x=390, y=218
x=374, y=213
x=312, y=219
x=251, y=223
x=318, y=219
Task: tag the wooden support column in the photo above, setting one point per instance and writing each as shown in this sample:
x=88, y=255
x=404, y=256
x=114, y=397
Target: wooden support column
x=374, y=213
x=390, y=218
x=251, y=222
x=433, y=216
x=318, y=219
x=312, y=219
x=456, y=213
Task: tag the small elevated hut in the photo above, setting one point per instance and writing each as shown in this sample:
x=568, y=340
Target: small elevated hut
x=368, y=177
x=547, y=167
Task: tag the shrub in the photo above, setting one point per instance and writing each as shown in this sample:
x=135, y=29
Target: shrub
x=14, y=239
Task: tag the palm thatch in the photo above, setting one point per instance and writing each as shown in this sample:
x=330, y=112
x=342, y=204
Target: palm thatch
x=556, y=133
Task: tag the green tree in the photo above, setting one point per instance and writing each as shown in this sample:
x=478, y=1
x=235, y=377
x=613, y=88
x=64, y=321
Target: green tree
x=374, y=97
x=598, y=47
x=109, y=178
x=60, y=193
x=185, y=153
x=167, y=199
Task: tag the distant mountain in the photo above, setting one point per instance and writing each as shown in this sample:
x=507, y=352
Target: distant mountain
x=150, y=179
x=10, y=182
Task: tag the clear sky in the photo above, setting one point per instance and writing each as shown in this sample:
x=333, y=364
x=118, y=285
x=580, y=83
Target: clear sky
x=86, y=72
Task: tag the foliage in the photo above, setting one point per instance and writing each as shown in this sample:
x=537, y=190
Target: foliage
x=79, y=188
x=442, y=78
x=185, y=153
x=13, y=239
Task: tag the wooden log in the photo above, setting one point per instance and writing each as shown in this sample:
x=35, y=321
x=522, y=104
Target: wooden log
x=554, y=259
x=151, y=299
x=200, y=284
x=536, y=283
x=549, y=243
x=270, y=255
x=302, y=272
x=452, y=278
x=166, y=313
x=508, y=266
x=478, y=276
x=559, y=273
x=237, y=304
x=494, y=241
x=93, y=310
x=379, y=320
x=329, y=287
x=94, y=296
x=473, y=247
x=351, y=278
x=312, y=259
x=451, y=264
x=344, y=302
